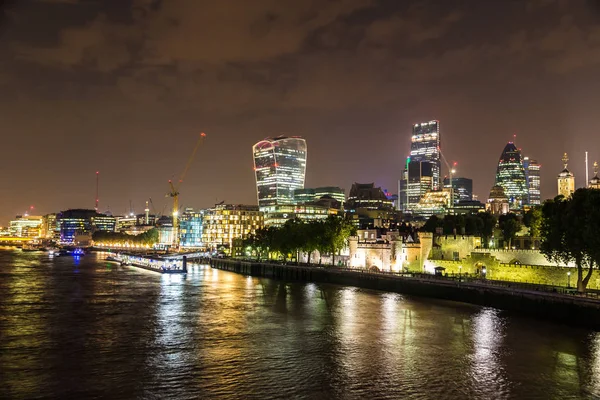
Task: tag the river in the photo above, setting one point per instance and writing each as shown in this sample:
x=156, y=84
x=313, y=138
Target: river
x=88, y=328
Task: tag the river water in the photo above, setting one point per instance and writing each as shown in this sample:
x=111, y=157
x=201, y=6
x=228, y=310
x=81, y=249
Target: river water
x=88, y=328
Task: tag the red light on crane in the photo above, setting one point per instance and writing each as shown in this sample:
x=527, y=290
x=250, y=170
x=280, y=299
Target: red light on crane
x=203, y=134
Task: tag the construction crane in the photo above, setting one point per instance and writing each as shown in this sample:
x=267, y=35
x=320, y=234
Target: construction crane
x=451, y=171
x=174, y=192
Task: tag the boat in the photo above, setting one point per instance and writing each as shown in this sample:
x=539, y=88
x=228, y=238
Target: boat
x=30, y=247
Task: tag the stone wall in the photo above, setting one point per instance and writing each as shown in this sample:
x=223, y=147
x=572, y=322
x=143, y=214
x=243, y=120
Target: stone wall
x=530, y=257
x=541, y=274
x=452, y=247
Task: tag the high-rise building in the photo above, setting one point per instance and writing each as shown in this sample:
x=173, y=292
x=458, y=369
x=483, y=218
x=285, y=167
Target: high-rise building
x=425, y=147
x=280, y=168
x=463, y=188
x=566, y=179
x=511, y=176
x=420, y=177
x=532, y=174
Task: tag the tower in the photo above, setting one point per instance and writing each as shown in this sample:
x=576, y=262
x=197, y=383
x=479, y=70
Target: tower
x=532, y=174
x=425, y=147
x=566, y=180
x=280, y=168
x=511, y=176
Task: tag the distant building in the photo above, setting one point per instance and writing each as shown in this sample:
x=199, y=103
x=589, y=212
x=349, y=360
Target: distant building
x=566, y=180
x=226, y=222
x=433, y=203
x=511, y=176
x=26, y=226
x=49, y=228
x=366, y=195
x=126, y=222
x=468, y=207
x=280, y=168
x=278, y=215
x=309, y=195
x=463, y=188
x=77, y=225
x=190, y=228
x=532, y=175
x=498, y=202
x=425, y=147
x=595, y=181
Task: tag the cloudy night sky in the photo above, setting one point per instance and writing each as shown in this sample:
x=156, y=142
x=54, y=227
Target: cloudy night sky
x=124, y=87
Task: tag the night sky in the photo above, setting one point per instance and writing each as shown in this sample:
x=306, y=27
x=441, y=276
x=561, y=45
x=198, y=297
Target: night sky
x=125, y=87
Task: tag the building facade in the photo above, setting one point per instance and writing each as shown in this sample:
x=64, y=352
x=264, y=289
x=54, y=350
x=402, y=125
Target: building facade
x=278, y=215
x=595, y=181
x=309, y=195
x=280, y=168
x=511, y=176
x=532, y=174
x=26, y=226
x=190, y=228
x=566, y=180
x=81, y=223
x=498, y=202
x=425, y=147
x=463, y=188
x=226, y=222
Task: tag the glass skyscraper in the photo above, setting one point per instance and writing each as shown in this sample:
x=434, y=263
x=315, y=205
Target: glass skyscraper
x=532, y=174
x=511, y=176
x=280, y=167
x=425, y=147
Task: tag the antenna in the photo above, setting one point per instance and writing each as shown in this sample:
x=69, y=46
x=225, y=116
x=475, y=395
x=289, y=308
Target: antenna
x=97, y=179
x=587, y=178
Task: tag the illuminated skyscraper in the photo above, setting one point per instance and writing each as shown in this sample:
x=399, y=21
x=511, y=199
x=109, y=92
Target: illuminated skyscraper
x=566, y=180
x=532, y=174
x=463, y=188
x=425, y=147
x=511, y=176
x=280, y=167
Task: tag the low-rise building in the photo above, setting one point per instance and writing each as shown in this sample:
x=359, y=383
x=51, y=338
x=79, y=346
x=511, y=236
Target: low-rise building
x=277, y=215
x=226, y=222
x=27, y=226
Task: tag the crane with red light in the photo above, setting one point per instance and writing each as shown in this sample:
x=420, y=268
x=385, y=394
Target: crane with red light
x=174, y=191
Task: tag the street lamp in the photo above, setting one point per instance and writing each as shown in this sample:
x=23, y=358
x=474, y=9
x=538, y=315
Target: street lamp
x=569, y=279
x=459, y=272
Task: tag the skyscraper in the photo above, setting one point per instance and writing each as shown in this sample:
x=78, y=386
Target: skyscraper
x=463, y=188
x=425, y=147
x=511, y=176
x=566, y=180
x=280, y=167
x=532, y=174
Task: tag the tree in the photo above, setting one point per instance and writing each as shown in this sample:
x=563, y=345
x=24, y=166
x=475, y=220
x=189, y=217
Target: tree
x=569, y=232
x=432, y=224
x=533, y=220
x=488, y=223
x=510, y=226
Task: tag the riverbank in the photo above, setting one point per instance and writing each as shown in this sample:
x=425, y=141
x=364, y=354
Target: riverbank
x=561, y=307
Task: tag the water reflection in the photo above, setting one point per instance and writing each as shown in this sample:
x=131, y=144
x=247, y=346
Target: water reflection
x=130, y=333
x=486, y=369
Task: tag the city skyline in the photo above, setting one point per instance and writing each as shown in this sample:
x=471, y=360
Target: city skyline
x=351, y=77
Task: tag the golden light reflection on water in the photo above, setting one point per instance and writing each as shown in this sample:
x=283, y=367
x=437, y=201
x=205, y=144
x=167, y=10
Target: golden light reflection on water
x=487, y=370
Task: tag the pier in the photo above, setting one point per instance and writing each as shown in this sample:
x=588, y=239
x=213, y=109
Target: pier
x=161, y=265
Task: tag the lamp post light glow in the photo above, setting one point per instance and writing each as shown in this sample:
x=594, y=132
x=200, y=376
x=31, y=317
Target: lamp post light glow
x=569, y=279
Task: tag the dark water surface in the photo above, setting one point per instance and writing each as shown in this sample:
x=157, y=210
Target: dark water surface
x=91, y=329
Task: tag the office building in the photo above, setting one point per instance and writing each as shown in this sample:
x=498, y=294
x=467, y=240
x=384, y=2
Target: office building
x=190, y=228
x=309, y=195
x=425, y=147
x=76, y=226
x=26, y=226
x=226, y=222
x=278, y=215
x=511, y=176
x=566, y=179
x=280, y=168
x=367, y=196
x=49, y=228
x=532, y=175
x=420, y=177
x=463, y=188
